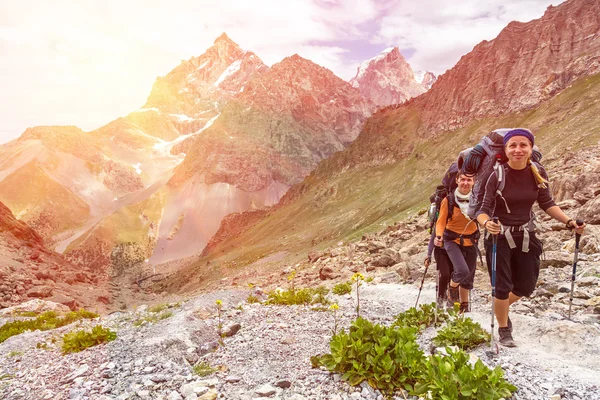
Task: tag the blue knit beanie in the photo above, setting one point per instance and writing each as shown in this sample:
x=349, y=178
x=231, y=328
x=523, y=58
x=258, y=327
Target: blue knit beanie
x=519, y=132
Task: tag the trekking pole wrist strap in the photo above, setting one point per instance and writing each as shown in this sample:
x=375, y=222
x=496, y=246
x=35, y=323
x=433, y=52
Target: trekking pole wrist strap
x=486, y=221
x=568, y=224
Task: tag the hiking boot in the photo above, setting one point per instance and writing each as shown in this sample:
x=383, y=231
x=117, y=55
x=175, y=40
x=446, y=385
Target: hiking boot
x=453, y=296
x=506, y=338
x=464, y=307
x=509, y=326
x=440, y=302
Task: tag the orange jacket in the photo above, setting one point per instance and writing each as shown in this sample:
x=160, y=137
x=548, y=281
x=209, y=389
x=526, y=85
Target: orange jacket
x=458, y=223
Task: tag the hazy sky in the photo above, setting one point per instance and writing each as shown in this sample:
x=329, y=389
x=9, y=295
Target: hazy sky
x=87, y=62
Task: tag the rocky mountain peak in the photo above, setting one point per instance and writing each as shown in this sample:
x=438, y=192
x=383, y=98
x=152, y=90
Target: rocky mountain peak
x=387, y=79
x=425, y=78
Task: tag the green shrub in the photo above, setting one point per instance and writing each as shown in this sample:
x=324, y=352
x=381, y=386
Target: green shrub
x=46, y=321
x=25, y=314
x=42, y=345
x=421, y=318
x=342, y=288
x=294, y=296
x=451, y=377
x=320, y=290
x=14, y=353
x=204, y=369
x=252, y=299
x=462, y=332
x=74, y=342
x=388, y=358
x=158, y=308
x=153, y=318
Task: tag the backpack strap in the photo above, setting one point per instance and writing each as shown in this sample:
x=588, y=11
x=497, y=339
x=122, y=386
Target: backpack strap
x=451, y=204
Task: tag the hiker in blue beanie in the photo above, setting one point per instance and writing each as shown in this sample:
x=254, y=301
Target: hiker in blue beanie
x=518, y=249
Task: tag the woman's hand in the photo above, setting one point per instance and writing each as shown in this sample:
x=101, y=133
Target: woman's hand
x=578, y=228
x=427, y=262
x=492, y=227
x=438, y=241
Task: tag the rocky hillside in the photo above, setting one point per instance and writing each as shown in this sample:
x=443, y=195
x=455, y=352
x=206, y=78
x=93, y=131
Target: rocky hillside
x=388, y=79
x=29, y=270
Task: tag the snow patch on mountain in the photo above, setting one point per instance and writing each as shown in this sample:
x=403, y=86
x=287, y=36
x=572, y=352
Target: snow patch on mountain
x=232, y=69
x=365, y=64
x=420, y=75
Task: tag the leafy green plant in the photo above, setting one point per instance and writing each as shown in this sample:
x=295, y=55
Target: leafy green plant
x=158, y=308
x=369, y=279
x=74, y=342
x=421, y=318
x=290, y=297
x=203, y=369
x=462, y=332
x=451, y=376
x=46, y=321
x=14, y=353
x=42, y=345
x=25, y=314
x=6, y=376
x=252, y=299
x=388, y=358
x=152, y=318
x=342, y=288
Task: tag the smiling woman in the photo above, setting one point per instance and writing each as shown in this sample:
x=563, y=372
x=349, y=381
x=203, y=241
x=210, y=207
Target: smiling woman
x=512, y=248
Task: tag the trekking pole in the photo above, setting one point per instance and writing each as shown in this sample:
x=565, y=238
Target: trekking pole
x=575, y=259
x=422, y=280
x=494, y=251
x=437, y=288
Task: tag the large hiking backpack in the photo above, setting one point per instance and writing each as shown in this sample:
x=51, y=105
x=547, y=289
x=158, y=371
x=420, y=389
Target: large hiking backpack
x=482, y=160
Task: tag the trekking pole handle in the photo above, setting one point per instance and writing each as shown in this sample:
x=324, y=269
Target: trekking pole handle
x=579, y=222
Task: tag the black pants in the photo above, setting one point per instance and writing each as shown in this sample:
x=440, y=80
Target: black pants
x=516, y=272
x=444, y=266
x=464, y=261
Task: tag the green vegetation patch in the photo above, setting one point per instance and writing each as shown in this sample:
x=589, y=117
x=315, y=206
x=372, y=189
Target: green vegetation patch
x=295, y=296
x=342, y=288
x=153, y=317
x=462, y=332
x=389, y=359
x=204, y=369
x=451, y=376
x=74, y=342
x=46, y=321
x=422, y=317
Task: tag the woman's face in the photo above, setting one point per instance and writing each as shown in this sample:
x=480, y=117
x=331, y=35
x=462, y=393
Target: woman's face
x=518, y=149
x=465, y=183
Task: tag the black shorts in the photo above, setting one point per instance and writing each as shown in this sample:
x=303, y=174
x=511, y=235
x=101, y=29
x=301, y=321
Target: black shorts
x=516, y=272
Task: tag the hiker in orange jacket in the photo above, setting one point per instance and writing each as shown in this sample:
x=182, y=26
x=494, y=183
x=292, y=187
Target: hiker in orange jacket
x=458, y=234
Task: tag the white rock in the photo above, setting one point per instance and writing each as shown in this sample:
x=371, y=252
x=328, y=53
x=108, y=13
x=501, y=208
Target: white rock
x=174, y=395
x=266, y=390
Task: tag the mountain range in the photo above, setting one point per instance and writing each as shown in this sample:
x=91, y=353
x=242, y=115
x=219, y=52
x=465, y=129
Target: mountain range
x=221, y=133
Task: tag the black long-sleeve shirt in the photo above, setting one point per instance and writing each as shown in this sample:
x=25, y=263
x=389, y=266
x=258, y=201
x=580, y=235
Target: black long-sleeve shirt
x=519, y=193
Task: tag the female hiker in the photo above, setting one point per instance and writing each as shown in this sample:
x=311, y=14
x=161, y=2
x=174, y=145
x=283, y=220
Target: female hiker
x=518, y=249
x=458, y=234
